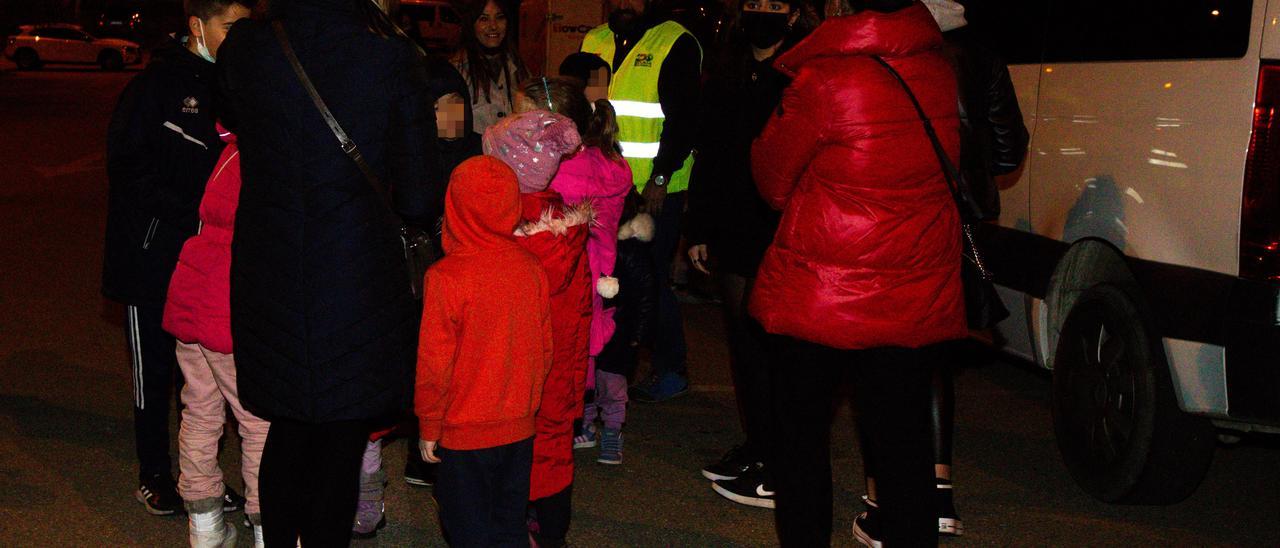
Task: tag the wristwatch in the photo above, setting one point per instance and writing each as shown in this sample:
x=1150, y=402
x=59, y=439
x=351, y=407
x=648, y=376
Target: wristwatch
x=660, y=180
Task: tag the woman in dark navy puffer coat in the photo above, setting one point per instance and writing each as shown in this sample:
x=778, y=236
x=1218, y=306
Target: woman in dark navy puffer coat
x=322, y=315
x=863, y=275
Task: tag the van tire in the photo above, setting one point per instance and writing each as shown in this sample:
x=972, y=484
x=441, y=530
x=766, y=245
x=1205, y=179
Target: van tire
x=26, y=59
x=1115, y=415
x=110, y=60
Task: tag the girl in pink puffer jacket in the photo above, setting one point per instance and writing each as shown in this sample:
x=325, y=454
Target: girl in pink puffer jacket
x=198, y=313
x=596, y=174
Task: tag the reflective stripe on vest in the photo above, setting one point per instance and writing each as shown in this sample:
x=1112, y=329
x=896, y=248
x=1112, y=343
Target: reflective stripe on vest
x=633, y=92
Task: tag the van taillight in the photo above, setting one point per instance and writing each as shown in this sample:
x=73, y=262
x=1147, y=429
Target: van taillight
x=1260, y=211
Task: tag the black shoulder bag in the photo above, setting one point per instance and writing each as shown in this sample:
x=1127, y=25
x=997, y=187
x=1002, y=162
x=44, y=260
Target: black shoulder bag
x=983, y=308
x=419, y=252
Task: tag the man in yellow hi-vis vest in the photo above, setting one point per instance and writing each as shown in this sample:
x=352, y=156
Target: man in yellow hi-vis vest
x=657, y=67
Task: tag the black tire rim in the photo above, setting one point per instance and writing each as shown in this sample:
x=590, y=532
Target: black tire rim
x=1103, y=389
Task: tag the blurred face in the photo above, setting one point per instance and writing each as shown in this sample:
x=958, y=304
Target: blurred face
x=214, y=30
x=491, y=27
x=451, y=116
x=598, y=85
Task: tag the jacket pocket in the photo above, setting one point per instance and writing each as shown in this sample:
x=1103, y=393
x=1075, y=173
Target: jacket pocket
x=151, y=233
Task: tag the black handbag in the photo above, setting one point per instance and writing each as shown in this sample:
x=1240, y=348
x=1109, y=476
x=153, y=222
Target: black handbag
x=983, y=307
x=419, y=251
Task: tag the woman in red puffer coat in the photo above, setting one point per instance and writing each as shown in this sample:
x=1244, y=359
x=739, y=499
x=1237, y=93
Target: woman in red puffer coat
x=864, y=272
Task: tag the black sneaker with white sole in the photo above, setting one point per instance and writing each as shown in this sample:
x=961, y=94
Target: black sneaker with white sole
x=753, y=489
x=159, y=496
x=949, y=523
x=866, y=527
x=732, y=465
x=231, y=500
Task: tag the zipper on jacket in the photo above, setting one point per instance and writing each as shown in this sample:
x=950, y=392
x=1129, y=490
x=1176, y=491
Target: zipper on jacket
x=151, y=233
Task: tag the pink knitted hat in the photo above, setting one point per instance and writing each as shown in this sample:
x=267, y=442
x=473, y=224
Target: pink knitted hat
x=532, y=144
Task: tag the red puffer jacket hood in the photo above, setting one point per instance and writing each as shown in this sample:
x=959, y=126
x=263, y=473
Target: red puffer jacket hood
x=868, y=250
x=198, y=307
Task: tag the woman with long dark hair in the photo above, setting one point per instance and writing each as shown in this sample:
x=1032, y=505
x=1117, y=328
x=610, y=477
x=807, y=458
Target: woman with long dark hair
x=489, y=59
x=730, y=226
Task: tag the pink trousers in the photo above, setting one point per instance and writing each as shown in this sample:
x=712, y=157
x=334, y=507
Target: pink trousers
x=210, y=387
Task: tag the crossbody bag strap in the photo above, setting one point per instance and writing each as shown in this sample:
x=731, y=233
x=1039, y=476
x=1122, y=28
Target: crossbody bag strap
x=348, y=146
x=949, y=171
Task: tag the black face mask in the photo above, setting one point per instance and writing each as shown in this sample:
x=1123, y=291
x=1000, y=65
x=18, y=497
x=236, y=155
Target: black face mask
x=623, y=22
x=765, y=29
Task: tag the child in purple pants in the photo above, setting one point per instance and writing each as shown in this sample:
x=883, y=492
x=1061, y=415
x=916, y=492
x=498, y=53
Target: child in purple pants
x=633, y=312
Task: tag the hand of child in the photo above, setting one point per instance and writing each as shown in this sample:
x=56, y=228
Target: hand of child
x=698, y=255
x=428, y=449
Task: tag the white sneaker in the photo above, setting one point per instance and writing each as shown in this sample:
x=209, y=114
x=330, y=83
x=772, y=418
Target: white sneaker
x=210, y=530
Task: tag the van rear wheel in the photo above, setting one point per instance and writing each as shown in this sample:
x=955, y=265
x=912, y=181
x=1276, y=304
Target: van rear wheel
x=1115, y=415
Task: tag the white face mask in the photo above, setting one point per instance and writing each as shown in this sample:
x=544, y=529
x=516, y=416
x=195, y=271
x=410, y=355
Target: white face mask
x=201, y=49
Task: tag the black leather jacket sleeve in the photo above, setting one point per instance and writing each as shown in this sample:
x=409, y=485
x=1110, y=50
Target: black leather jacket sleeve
x=1009, y=137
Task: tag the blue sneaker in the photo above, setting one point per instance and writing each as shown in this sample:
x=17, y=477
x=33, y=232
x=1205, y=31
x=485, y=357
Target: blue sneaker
x=610, y=446
x=660, y=387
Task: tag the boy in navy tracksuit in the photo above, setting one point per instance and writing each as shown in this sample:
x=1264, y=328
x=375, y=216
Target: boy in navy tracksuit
x=161, y=148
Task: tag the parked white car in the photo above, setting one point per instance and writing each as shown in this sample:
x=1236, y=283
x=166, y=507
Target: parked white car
x=37, y=45
x=1139, y=251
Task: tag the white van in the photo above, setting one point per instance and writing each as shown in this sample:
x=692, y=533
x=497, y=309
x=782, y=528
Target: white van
x=1139, y=250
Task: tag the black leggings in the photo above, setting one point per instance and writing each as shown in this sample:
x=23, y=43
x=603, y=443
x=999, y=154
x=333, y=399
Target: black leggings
x=309, y=482
x=942, y=412
x=748, y=363
x=891, y=389
x=554, y=513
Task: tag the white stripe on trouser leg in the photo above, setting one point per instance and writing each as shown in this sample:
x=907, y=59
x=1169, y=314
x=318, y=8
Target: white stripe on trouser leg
x=639, y=150
x=638, y=109
x=139, y=399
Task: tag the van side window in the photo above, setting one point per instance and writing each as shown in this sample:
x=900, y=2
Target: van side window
x=1138, y=30
x=1012, y=28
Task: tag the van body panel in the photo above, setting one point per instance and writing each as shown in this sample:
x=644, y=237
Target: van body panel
x=1148, y=156
x=1199, y=376
x=1271, y=31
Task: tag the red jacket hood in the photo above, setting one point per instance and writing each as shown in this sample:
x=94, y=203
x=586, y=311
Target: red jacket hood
x=903, y=32
x=482, y=206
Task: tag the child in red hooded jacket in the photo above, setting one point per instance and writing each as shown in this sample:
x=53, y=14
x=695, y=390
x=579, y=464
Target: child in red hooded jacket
x=484, y=352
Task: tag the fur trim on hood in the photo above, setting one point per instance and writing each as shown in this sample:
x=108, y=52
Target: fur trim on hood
x=639, y=227
x=570, y=216
x=948, y=14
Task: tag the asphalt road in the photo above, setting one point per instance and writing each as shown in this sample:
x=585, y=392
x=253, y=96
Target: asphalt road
x=67, y=470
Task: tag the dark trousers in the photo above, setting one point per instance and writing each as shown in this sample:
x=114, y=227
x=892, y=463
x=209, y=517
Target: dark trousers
x=752, y=382
x=554, y=514
x=942, y=411
x=891, y=391
x=484, y=494
x=156, y=381
x=309, y=482
x=669, y=350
